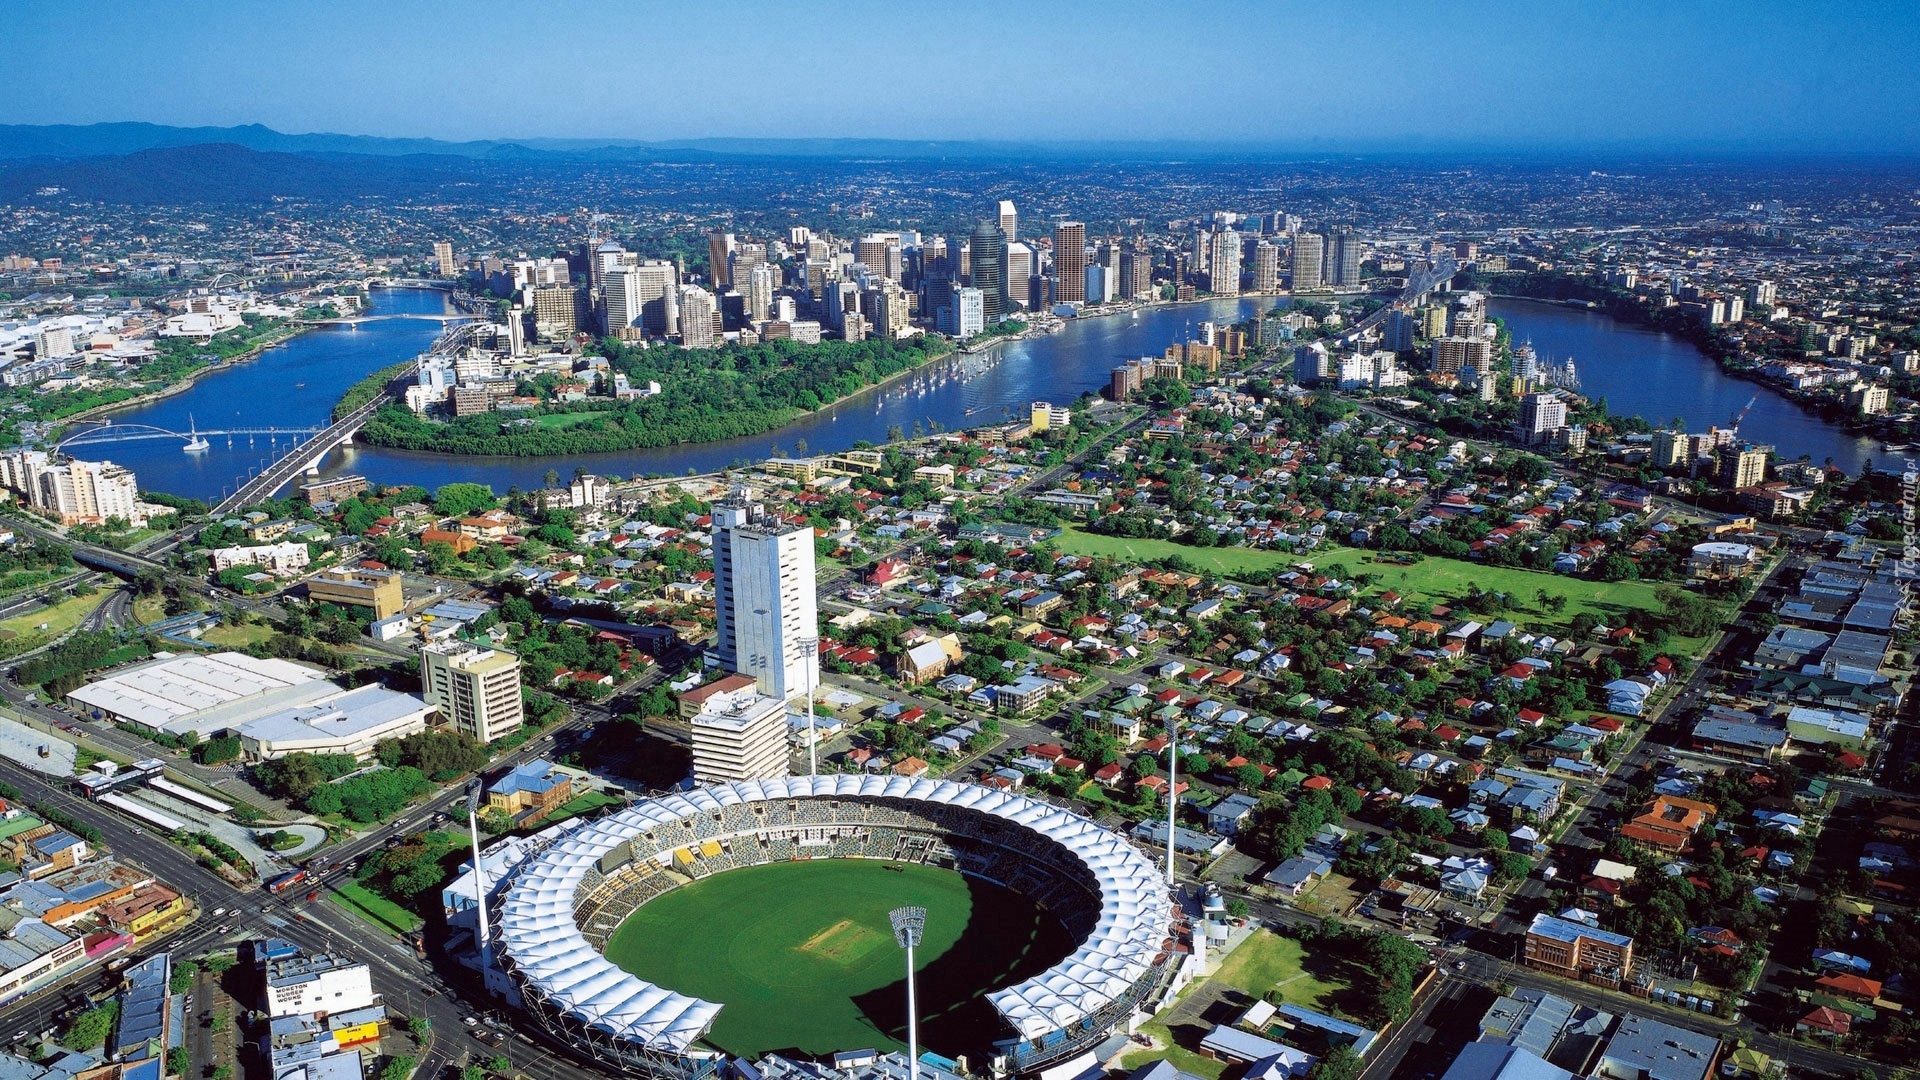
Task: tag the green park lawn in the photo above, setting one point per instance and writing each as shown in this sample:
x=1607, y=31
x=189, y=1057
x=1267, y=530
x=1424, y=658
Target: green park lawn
x=374, y=908
x=59, y=618
x=1264, y=962
x=582, y=804
x=802, y=956
x=1429, y=580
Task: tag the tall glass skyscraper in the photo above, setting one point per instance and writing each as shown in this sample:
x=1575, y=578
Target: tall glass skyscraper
x=987, y=265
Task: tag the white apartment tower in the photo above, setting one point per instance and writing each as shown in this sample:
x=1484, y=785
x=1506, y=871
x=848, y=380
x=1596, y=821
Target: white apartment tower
x=476, y=689
x=765, y=606
x=1224, y=263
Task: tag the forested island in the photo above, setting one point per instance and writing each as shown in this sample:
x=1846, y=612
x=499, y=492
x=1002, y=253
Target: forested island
x=706, y=395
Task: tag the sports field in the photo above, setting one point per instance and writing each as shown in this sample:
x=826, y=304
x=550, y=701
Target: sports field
x=802, y=957
x=1429, y=580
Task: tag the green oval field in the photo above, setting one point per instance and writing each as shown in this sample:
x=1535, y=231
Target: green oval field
x=802, y=957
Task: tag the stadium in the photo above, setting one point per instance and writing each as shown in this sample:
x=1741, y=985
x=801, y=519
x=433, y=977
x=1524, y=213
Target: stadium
x=1111, y=954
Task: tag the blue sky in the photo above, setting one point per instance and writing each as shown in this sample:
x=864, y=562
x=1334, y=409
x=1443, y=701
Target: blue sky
x=1335, y=75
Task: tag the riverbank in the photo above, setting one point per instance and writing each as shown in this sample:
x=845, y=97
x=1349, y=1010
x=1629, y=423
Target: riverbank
x=185, y=382
x=1583, y=295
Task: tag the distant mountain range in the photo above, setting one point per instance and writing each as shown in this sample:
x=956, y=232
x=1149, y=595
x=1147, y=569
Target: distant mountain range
x=69, y=141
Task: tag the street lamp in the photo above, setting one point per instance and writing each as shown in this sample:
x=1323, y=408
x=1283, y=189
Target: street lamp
x=909, y=924
x=811, y=660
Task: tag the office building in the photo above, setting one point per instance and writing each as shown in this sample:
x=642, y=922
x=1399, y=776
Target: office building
x=765, y=605
x=377, y=590
x=559, y=311
x=1742, y=466
x=1136, y=272
x=1009, y=220
x=1540, y=416
x=740, y=735
x=476, y=689
x=1223, y=263
x=987, y=265
x=1308, y=253
x=963, y=314
x=1023, y=264
x=443, y=256
x=720, y=259
x=1046, y=416
x=1577, y=951
x=1266, y=267
x=301, y=985
x=1070, y=262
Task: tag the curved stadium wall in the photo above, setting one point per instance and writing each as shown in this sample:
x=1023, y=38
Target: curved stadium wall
x=561, y=905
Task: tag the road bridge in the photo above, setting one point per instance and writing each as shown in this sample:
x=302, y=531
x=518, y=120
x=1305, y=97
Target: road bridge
x=356, y=320
x=307, y=456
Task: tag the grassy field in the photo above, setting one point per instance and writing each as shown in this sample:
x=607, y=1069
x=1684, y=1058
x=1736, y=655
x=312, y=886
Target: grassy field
x=1264, y=962
x=374, y=908
x=236, y=637
x=59, y=618
x=582, y=804
x=802, y=956
x=1268, y=961
x=1428, y=581
x=562, y=421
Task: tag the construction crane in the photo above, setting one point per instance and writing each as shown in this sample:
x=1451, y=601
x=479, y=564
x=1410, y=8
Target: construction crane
x=1742, y=414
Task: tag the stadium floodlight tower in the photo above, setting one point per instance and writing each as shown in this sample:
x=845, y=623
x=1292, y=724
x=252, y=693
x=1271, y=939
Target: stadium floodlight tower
x=909, y=925
x=474, y=791
x=811, y=665
x=1173, y=788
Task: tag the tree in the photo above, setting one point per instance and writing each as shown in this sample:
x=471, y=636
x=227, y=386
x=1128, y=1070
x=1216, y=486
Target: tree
x=463, y=500
x=179, y=1060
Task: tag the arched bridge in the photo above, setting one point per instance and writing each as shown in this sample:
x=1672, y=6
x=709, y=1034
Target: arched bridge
x=119, y=433
x=307, y=456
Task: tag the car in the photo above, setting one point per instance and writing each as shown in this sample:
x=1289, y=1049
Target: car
x=469, y=1021
x=19, y=1035
x=219, y=911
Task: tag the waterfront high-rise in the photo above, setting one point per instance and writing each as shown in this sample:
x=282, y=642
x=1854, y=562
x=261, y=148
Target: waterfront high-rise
x=1136, y=271
x=443, y=255
x=1224, y=263
x=76, y=492
x=1742, y=466
x=699, y=312
x=1070, y=262
x=1540, y=416
x=1266, y=267
x=987, y=263
x=1342, y=267
x=476, y=689
x=765, y=607
x=558, y=310
x=1308, y=252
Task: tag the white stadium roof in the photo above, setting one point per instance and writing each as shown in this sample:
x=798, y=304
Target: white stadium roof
x=538, y=933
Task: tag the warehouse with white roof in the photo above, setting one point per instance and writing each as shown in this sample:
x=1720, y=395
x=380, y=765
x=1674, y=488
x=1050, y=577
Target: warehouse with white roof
x=276, y=707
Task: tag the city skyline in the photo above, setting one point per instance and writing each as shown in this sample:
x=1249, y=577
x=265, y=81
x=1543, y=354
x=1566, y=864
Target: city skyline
x=1424, y=77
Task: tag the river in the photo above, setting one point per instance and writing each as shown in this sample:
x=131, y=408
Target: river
x=263, y=393
x=1657, y=376
x=295, y=385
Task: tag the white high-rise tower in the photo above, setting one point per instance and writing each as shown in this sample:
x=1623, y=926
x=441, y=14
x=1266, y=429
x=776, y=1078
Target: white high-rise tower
x=765, y=603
